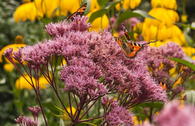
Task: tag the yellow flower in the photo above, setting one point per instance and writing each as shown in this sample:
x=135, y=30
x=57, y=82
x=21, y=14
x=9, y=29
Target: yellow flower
x=69, y=6
x=149, y=32
x=116, y=34
x=165, y=33
x=99, y=23
x=131, y=4
x=8, y=67
x=170, y=4
x=14, y=46
x=19, y=39
x=136, y=121
x=49, y=8
x=65, y=115
x=164, y=16
x=184, y=18
x=26, y=11
x=21, y=82
x=189, y=51
x=94, y=5
x=128, y=4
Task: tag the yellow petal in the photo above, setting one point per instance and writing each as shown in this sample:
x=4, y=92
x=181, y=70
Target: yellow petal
x=99, y=23
x=8, y=67
x=15, y=47
x=26, y=11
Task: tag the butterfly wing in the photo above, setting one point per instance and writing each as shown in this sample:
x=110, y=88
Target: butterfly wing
x=126, y=32
x=135, y=47
x=123, y=45
x=79, y=11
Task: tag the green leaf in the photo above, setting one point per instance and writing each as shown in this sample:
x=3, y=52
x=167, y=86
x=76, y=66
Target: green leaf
x=112, y=5
x=102, y=3
x=97, y=14
x=184, y=62
x=126, y=15
x=152, y=104
x=143, y=14
x=88, y=123
x=135, y=13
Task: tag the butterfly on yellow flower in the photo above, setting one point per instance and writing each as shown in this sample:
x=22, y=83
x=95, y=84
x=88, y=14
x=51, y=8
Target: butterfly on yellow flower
x=130, y=48
x=79, y=11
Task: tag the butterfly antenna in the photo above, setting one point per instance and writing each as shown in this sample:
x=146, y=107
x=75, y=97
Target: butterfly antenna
x=154, y=41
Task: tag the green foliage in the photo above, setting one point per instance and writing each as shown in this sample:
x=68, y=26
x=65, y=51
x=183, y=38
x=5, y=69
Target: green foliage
x=184, y=62
x=96, y=14
x=128, y=14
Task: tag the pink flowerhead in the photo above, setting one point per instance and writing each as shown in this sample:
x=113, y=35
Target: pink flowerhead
x=26, y=121
x=60, y=28
x=175, y=115
x=118, y=116
x=35, y=110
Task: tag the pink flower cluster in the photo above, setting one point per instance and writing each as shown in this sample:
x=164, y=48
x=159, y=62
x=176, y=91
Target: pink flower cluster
x=175, y=114
x=27, y=121
x=118, y=116
x=92, y=55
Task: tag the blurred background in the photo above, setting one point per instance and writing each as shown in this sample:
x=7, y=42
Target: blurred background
x=22, y=23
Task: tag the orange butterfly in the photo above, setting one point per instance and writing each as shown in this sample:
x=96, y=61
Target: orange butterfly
x=130, y=47
x=79, y=11
x=163, y=85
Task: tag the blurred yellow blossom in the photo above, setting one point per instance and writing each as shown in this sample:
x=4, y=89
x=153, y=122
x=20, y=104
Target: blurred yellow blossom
x=8, y=67
x=131, y=4
x=21, y=82
x=69, y=6
x=94, y=5
x=163, y=16
x=65, y=115
x=170, y=4
x=184, y=18
x=128, y=4
x=19, y=39
x=99, y=23
x=26, y=11
x=115, y=34
x=163, y=28
x=15, y=47
x=49, y=8
x=189, y=51
x=136, y=121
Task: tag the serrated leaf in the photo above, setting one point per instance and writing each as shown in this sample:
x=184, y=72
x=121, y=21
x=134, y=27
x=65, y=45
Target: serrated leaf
x=184, y=62
x=97, y=14
x=144, y=14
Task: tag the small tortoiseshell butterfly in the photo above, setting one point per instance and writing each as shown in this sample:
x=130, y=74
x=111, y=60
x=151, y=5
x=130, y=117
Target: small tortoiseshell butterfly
x=79, y=11
x=130, y=47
